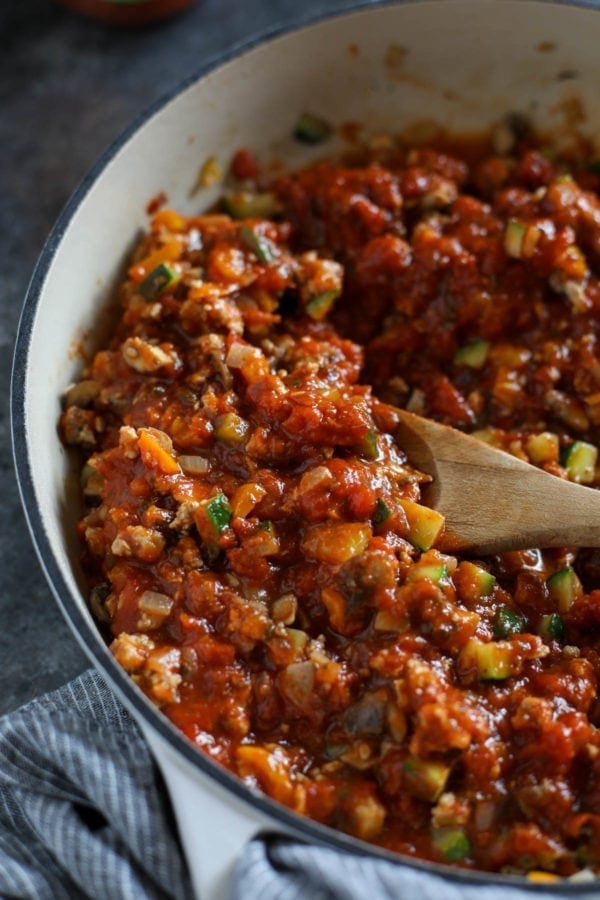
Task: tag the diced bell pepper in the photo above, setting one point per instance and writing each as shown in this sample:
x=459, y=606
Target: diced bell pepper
x=424, y=525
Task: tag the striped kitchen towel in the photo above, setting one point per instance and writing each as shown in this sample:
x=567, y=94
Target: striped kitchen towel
x=84, y=813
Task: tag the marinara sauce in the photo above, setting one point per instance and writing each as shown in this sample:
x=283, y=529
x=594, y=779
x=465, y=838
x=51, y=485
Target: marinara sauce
x=257, y=549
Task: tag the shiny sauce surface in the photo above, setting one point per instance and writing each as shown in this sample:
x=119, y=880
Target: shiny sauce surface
x=257, y=551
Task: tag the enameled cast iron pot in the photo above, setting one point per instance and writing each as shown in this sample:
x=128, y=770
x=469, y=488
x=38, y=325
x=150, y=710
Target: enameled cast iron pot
x=463, y=63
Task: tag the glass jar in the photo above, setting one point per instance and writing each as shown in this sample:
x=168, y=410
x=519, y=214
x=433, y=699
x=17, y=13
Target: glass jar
x=127, y=12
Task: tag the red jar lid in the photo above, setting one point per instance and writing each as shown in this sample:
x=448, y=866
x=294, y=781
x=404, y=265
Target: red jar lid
x=127, y=12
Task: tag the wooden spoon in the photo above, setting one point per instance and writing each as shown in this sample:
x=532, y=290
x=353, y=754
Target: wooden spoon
x=492, y=501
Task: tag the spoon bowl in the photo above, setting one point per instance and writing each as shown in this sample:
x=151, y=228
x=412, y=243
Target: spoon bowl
x=492, y=501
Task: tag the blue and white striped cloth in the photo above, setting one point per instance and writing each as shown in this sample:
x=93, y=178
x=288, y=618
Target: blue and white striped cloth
x=84, y=814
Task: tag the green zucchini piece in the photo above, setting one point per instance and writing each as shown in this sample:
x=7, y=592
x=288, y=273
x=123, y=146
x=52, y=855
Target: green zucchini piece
x=552, y=627
x=310, y=129
x=231, y=428
x=260, y=246
x=507, y=622
x=382, y=512
x=473, y=355
x=542, y=447
x=487, y=435
x=243, y=205
x=219, y=512
x=480, y=580
x=564, y=588
x=157, y=282
x=452, y=843
x=369, y=447
x=425, y=779
x=492, y=661
x=594, y=166
x=579, y=459
x=513, y=239
x=431, y=571
x=319, y=306
x=267, y=525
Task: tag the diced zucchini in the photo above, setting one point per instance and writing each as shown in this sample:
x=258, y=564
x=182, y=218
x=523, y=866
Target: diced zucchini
x=492, y=661
x=452, y=843
x=212, y=518
x=424, y=525
x=425, y=779
x=319, y=306
x=157, y=282
x=382, y=512
x=552, y=627
x=564, y=588
x=542, y=447
x=369, y=447
x=243, y=205
x=429, y=571
x=594, y=166
x=475, y=581
x=231, y=428
x=260, y=246
x=218, y=512
x=487, y=435
x=513, y=239
x=507, y=622
x=310, y=129
x=473, y=355
x=579, y=459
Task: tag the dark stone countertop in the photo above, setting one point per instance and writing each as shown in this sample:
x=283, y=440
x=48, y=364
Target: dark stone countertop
x=68, y=87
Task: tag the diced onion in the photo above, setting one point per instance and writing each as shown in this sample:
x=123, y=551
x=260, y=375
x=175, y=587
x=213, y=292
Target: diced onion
x=314, y=478
x=194, y=465
x=239, y=354
x=155, y=603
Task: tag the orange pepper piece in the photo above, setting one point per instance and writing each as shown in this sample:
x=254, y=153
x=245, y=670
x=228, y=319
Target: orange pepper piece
x=155, y=456
x=172, y=220
x=245, y=499
x=542, y=877
x=169, y=252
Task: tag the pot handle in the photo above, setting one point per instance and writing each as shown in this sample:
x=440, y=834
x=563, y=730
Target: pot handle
x=214, y=824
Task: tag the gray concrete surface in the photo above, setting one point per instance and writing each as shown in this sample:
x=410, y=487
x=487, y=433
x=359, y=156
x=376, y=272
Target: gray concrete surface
x=67, y=88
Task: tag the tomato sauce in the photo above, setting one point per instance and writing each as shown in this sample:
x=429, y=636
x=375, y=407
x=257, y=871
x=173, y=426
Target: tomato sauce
x=258, y=553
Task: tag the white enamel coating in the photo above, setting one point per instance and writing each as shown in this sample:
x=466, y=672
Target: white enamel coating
x=213, y=824
x=460, y=62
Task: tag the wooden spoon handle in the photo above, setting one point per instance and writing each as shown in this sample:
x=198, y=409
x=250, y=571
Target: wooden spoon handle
x=494, y=502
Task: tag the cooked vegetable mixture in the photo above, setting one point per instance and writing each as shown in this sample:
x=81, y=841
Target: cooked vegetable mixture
x=254, y=535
